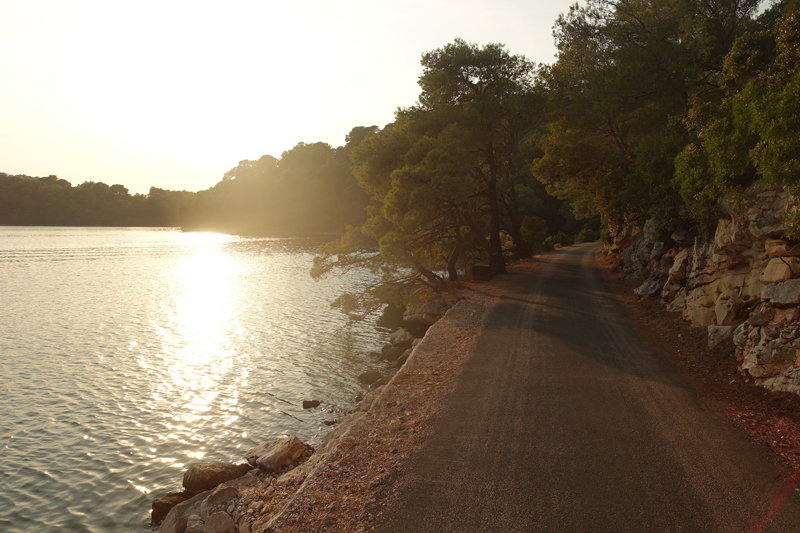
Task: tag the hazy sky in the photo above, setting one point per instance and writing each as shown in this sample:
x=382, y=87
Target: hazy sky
x=174, y=94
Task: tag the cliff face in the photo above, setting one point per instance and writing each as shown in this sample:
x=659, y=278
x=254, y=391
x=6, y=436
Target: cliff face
x=744, y=285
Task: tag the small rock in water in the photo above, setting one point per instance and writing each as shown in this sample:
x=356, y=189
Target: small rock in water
x=273, y=455
x=394, y=353
x=200, y=477
x=162, y=505
x=401, y=338
x=368, y=378
x=310, y=404
x=331, y=422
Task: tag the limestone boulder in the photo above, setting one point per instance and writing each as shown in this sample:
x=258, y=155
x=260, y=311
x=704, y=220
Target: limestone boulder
x=200, y=477
x=678, y=302
x=219, y=522
x=682, y=237
x=652, y=286
x=426, y=314
x=720, y=335
x=657, y=252
x=776, y=247
x=727, y=307
x=401, y=338
x=273, y=455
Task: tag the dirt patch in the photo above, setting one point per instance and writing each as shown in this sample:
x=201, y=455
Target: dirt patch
x=769, y=417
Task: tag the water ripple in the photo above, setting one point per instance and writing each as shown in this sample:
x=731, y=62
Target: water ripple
x=129, y=353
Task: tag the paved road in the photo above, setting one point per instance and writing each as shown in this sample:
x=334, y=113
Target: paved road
x=566, y=420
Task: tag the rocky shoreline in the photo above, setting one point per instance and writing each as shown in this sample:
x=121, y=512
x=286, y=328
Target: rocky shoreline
x=259, y=493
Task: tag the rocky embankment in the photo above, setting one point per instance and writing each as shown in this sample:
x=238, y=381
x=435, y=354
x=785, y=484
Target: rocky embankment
x=743, y=285
x=255, y=495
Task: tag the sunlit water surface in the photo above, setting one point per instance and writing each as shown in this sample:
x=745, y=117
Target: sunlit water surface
x=129, y=353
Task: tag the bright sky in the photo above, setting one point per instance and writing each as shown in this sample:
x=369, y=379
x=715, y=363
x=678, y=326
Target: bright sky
x=173, y=94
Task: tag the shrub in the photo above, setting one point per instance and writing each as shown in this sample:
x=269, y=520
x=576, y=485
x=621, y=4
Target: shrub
x=557, y=241
x=586, y=235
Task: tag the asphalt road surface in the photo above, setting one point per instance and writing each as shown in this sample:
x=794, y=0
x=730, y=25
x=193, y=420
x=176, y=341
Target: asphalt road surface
x=566, y=420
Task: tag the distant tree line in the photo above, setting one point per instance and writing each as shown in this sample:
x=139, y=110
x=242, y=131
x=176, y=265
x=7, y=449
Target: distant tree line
x=49, y=201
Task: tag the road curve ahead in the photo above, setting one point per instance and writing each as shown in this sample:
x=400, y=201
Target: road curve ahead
x=565, y=420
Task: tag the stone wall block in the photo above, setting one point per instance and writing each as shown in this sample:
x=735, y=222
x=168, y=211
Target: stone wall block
x=786, y=293
x=780, y=269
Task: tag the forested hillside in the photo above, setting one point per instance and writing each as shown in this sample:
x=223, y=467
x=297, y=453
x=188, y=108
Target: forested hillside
x=660, y=109
x=653, y=110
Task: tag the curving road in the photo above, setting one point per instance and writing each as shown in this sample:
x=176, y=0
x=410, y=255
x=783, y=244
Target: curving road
x=565, y=420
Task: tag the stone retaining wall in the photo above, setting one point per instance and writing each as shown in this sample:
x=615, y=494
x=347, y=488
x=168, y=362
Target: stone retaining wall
x=744, y=285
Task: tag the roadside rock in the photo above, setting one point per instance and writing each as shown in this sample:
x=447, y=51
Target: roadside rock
x=205, y=476
x=426, y=314
x=785, y=293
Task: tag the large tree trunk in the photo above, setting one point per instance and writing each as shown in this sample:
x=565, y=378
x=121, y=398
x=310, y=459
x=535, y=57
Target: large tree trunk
x=514, y=226
x=452, y=259
x=496, y=262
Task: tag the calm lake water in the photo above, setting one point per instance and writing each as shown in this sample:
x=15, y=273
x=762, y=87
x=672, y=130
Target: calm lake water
x=129, y=353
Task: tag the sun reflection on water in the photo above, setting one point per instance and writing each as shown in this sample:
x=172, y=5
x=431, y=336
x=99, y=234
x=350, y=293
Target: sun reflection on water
x=198, y=340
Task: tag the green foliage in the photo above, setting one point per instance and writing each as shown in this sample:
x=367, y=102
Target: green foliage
x=635, y=85
x=586, y=235
x=557, y=241
x=534, y=230
x=749, y=134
